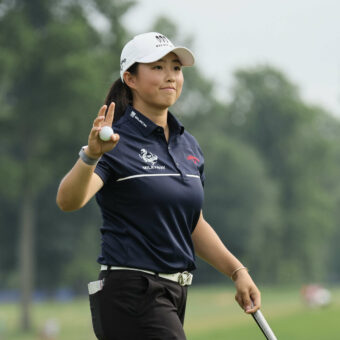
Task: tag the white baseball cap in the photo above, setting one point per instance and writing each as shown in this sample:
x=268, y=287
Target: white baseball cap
x=150, y=47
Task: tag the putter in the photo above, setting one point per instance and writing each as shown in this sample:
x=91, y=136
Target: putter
x=263, y=324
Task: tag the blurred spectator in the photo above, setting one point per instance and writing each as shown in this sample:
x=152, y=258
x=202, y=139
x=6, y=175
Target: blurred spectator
x=315, y=295
x=50, y=330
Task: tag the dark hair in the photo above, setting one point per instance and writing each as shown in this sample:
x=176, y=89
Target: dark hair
x=120, y=94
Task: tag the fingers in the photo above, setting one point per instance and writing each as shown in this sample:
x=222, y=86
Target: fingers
x=250, y=303
x=97, y=125
x=256, y=299
x=101, y=111
x=115, y=138
x=244, y=301
x=110, y=114
x=239, y=300
x=98, y=121
x=247, y=303
x=101, y=118
x=97, y=146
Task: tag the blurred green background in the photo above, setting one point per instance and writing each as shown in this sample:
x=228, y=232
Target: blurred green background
x=272, y=191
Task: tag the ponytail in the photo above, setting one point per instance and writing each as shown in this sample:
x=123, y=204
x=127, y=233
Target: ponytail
x=121, y=95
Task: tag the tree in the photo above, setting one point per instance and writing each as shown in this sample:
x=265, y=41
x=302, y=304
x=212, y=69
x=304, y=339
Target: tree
x=54, y=63
x=268, y=113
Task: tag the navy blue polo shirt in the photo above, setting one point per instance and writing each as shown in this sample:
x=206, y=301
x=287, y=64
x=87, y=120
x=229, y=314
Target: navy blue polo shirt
x=152, y=196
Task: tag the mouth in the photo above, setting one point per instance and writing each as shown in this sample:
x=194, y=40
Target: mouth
x=168, y=88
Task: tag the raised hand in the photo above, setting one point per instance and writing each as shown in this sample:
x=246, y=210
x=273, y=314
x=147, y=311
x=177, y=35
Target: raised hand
x=96, y=147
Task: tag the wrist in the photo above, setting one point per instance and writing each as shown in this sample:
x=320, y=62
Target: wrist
x=237, y=271
x=86, y=157
x=89, y=154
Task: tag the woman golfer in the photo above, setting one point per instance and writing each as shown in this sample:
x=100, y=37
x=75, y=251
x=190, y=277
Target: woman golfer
x=148, y=181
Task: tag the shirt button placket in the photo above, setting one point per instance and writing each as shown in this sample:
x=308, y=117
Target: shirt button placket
x=176, y=163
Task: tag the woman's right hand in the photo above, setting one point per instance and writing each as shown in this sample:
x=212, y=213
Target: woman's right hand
x=96, y=147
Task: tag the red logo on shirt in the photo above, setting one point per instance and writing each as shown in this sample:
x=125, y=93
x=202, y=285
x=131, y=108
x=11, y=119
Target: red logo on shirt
x=193, y=158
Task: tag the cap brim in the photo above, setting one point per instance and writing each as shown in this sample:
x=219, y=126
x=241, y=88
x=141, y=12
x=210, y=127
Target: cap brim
x=186, y=57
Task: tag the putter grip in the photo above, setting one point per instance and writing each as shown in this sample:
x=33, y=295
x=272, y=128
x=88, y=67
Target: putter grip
x=263, y=324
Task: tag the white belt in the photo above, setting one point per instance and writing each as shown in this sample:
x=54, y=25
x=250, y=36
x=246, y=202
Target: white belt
x=184, y=278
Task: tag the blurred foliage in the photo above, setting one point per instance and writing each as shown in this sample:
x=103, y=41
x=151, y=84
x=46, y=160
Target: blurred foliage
x=272, y=160
x=56, y=68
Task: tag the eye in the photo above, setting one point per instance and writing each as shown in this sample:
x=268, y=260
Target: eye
x=177, y=68
x=157, y=67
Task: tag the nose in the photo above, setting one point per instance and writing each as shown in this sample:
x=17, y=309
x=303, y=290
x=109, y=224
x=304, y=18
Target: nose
x=170, y=75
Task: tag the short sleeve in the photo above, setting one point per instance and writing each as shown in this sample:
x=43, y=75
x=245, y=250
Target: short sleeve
x=201, y=166
x=103, y=169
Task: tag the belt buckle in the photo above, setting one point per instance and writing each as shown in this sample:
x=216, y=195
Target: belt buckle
x=184, y=278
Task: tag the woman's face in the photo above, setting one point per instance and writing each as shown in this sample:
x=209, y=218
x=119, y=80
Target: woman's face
x=158, y=84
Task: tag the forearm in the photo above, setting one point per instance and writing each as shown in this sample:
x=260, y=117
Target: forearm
x=210, y=248
x=75, y=188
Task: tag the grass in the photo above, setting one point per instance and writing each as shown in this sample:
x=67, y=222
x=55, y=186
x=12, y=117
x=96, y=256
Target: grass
x=74, y=319
x=211, y=314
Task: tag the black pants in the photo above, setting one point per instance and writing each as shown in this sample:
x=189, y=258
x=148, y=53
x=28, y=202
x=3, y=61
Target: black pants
x=137, y=306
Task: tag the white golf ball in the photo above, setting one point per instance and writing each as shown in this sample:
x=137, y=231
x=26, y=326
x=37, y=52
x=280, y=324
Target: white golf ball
x=105, y=133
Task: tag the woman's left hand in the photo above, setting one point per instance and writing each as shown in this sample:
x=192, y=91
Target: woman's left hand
x=248, y=295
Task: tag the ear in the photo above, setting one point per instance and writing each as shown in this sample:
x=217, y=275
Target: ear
x=129, y=79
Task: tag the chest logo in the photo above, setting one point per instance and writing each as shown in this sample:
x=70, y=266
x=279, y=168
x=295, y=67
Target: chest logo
x=150, y=159
x=193, y=158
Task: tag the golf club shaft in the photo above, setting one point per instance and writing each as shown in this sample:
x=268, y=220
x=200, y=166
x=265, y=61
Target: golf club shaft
x=263, y=324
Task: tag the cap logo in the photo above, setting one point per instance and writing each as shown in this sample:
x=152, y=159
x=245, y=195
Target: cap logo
x=162, y=41
x=122, y=63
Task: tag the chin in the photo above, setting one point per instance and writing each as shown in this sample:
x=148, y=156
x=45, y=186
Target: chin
x=165, y=104
x=161, y=107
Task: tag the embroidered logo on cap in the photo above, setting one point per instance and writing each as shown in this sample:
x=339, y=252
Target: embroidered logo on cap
x=122, y=63
x=162, y=41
